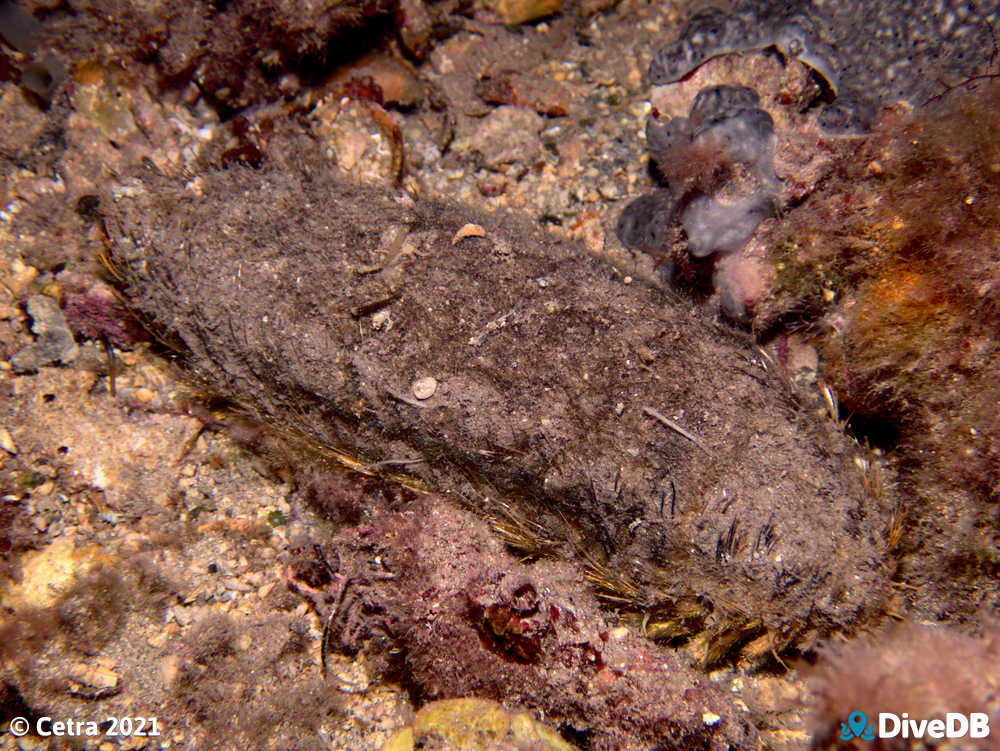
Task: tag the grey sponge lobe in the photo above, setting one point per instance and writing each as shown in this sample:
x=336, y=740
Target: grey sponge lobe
x=727, y=121
x=713, y=226
x=714, y=103
x=643, y=224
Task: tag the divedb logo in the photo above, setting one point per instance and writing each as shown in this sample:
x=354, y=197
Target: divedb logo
x=954, y=725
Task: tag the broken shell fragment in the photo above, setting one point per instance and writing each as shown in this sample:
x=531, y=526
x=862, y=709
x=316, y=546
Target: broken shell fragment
x=469, y=230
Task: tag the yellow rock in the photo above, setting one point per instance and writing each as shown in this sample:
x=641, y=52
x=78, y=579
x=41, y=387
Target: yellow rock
x=514, y=12
x=463, y=722
x=401, y=741
x=474, y=725
x=49, y=573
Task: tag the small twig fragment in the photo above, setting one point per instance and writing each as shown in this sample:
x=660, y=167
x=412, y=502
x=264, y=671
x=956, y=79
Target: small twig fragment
x=109, y=352
x=393, y=463
x=372, y=306
x=676, y=428
x=394, y=136
x=328, y=626
x=497, y=323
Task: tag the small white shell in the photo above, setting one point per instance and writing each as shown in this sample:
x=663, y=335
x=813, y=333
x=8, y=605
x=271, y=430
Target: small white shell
x=424, y=388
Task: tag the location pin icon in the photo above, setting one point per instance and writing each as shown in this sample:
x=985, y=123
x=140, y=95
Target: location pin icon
x=857, y=722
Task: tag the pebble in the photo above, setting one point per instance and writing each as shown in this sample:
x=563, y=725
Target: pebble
x=169, y=669
x=508, y=135
x=181, y=616
x=236, y=585
x=54, y=343
x=399, y=84
x=544, y=95
x=253, y=579
x=92, y=682
x=609, y=190
x=7, y=443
